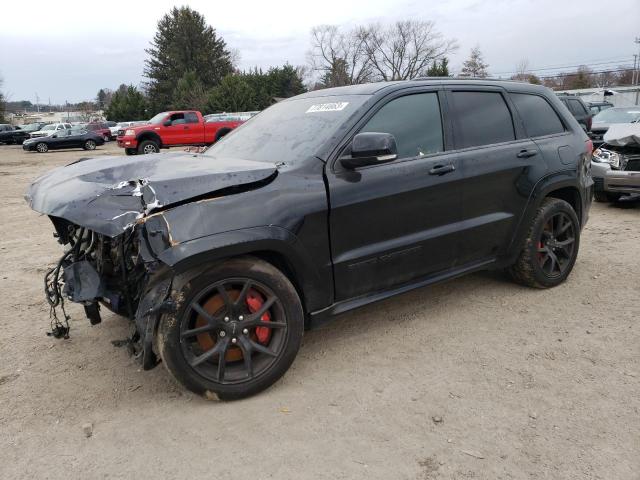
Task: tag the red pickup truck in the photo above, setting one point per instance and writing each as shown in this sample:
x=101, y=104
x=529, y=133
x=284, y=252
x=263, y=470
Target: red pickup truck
x=170, y=129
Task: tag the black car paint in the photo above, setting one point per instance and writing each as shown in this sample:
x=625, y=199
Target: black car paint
x=19, y=134
x=60, y=141
x=344, y=237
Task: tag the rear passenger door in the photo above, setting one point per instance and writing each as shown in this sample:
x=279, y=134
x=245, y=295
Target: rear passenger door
x=194, y=131
x=496, y=160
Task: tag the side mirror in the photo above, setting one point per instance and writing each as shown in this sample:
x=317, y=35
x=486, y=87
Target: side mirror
x=167, y=123
x=370, y=148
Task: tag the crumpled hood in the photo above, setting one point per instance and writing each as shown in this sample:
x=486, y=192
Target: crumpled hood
x=109, y=194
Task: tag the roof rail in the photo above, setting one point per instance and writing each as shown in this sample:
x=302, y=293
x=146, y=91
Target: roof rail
x=466, y=78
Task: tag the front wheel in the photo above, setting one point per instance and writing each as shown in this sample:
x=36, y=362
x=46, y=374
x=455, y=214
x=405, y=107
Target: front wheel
x=89, y=145
x=147, y=147
x=130, y=151
x=42, y=147
x=551, y=247
x=237, y=331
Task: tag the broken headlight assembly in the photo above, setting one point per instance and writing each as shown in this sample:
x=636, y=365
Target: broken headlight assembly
x=602, y=155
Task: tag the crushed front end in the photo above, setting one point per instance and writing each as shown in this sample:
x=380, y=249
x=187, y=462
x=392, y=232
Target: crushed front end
x=119, y=273
x=116, y=217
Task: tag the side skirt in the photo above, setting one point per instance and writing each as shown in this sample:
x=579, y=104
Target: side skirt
x=320, y=317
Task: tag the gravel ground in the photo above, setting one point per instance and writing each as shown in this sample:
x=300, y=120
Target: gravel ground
x=474, y=378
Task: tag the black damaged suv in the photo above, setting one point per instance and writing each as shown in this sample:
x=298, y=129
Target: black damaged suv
x=320, y=204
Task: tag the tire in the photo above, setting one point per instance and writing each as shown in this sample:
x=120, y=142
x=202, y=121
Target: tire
x=89, y=145
x=195, y=361
x=221, y=134
x=106, y=138
x=147, y=147
x=42, y=147
x=548, y=256
x=130, y=151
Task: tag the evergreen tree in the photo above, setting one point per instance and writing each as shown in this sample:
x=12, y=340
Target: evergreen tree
x=475, y=66
x=184, y=43
x=285, y=81
x=439, y=70
x=127, y=104
x=261, y=87
x=189, y=93
x=232, y=95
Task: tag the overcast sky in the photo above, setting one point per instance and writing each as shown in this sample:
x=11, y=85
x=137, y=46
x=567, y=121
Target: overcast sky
x=68, y=50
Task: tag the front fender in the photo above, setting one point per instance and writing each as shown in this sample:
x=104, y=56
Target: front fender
x=315, y=288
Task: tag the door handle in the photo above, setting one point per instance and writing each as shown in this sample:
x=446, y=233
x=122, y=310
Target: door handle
x=442, y=169
x=527, y=153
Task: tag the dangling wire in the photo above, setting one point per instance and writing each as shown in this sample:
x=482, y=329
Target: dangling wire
x=53, y=293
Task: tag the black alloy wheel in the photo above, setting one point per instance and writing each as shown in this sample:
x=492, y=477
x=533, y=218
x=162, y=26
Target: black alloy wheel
x=556, y=245
x=237, y=331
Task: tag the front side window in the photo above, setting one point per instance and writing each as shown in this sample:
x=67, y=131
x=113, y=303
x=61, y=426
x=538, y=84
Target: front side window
x=481, y=118
x=538, y=116
x=414, y=121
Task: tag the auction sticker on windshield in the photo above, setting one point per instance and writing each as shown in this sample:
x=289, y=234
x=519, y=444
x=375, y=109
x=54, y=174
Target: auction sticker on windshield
x=327, y=107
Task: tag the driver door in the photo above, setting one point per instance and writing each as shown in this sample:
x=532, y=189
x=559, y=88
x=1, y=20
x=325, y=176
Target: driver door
x=394, y=223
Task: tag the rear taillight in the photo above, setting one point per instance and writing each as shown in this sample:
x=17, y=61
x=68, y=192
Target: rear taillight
x=589, y=123
x=589, y=147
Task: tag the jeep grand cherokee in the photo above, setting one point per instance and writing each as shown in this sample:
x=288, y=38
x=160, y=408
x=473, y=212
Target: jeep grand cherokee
x=321, y=203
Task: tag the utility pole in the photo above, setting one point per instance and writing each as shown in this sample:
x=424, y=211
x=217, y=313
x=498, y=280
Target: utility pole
x=37, y=102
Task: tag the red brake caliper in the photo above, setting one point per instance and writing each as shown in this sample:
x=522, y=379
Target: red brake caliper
x=254, y=302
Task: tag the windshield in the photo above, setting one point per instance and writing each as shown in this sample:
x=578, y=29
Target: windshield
x=158, y=118
x=30, y=128
x=49, y=127
x=288, y=131
x=615, y=115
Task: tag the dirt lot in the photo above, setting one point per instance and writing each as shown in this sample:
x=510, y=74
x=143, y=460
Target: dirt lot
x=475, y=378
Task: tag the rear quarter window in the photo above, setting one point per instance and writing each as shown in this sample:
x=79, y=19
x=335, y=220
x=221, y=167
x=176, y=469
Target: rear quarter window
x=538, y=116
x=481, y=118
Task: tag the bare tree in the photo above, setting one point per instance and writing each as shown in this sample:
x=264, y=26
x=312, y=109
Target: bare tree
x=338, y=57
x=2, y=102
x=404, y=50
x=475, y=66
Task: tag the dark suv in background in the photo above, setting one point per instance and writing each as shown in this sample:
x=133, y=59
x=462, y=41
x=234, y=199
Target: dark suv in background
x=579, y=110
x=319, y=204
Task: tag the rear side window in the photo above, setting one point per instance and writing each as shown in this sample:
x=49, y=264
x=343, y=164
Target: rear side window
x=415, y=123
x=576, y=107
x=538, y=116
x=482, y=118
x=191, y=117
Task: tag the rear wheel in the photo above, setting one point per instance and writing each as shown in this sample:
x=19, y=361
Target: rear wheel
x=147, y=147
x=106, y=138
x=89, y=145
x=551, y=246
x=237, y=331
x=42, y=147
